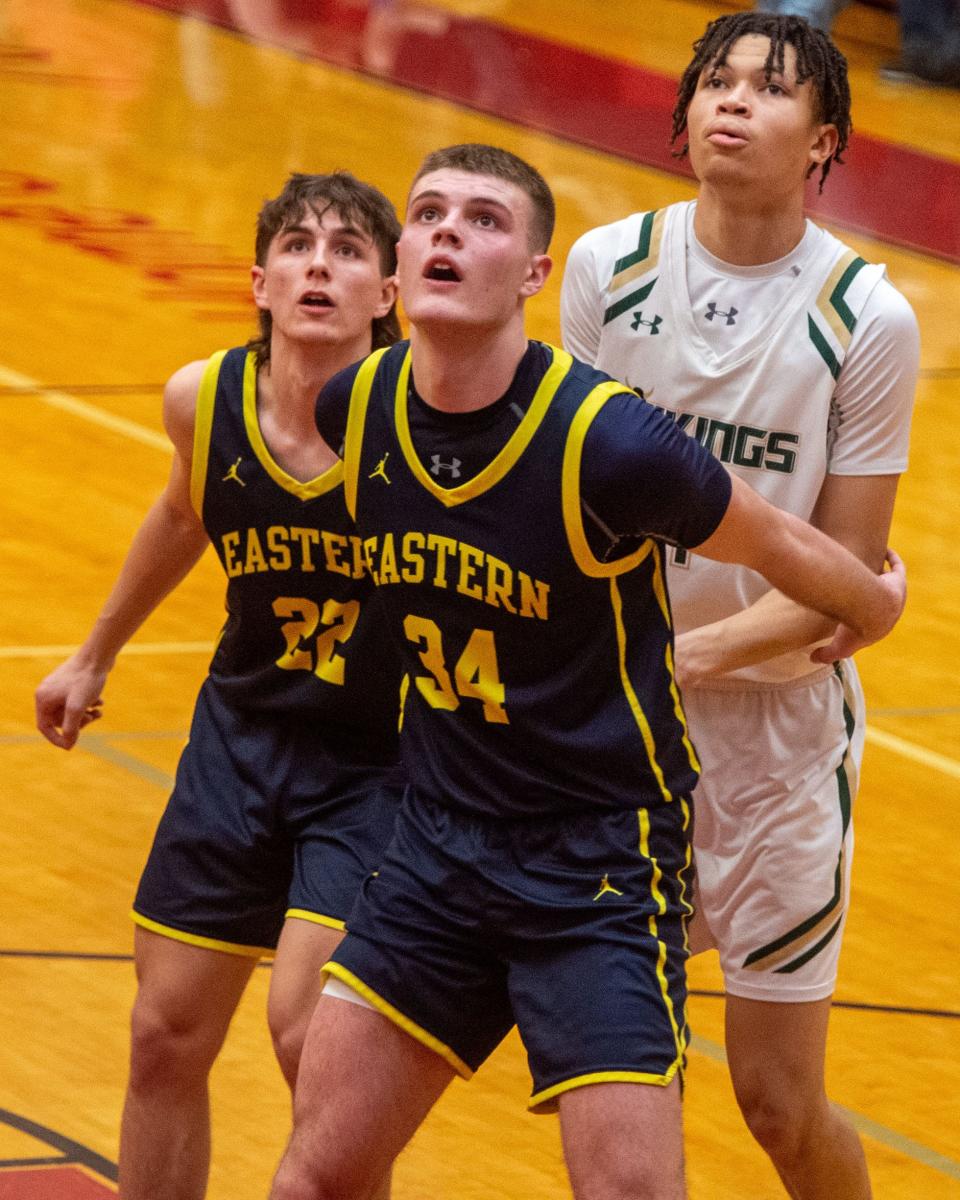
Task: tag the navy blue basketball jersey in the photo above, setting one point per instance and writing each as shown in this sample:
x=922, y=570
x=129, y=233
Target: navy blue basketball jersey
x=540, y=678
x=302, y=635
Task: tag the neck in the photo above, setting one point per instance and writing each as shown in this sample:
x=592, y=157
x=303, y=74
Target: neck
x=287, y=387
x=744, y=233
x=462, y=371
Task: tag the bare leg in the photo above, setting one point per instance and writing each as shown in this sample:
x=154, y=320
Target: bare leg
x=776, y=1054
x=363, y=1089
x=624, y=1141
x=186, y=998
x=295, y=988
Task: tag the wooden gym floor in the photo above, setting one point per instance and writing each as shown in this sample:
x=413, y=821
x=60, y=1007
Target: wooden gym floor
x=138, y=142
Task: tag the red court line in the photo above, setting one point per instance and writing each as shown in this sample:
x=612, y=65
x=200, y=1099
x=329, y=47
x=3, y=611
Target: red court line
x=888, y=191
x=51, y=1183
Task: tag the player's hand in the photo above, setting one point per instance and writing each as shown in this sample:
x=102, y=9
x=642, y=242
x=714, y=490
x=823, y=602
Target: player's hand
x=845, y=641
x=67, y=701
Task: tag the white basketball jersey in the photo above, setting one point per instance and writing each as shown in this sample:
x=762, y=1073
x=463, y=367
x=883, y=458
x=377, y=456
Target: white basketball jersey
x=747, y=360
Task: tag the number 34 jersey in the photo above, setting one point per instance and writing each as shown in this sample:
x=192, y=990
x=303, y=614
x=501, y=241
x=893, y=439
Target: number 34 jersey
x=540, y=677
x=302, y=636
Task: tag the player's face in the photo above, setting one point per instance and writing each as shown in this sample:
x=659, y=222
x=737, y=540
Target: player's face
x=465, y=257
x=756, y=135
x=322, y=282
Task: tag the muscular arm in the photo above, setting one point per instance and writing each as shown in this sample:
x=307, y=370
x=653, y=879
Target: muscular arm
x=808, y=567
x=853, y=510
x=164, y=549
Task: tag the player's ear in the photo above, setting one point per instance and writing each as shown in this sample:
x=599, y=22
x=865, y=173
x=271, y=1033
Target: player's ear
x=388, y=295
x=258, y=279
x=538, y=273
x=826, y=139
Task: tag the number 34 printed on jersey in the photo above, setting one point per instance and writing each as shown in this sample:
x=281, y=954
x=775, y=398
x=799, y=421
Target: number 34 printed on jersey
x=338, y=621
x=475, y=675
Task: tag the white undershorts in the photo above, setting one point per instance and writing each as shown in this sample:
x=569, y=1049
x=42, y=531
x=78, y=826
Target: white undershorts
x=773, y=834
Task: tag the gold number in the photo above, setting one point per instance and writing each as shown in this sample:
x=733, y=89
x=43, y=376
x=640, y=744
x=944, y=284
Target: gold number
x=340, y=620
x=307, y=615
x=476, y=674
x=436, y=687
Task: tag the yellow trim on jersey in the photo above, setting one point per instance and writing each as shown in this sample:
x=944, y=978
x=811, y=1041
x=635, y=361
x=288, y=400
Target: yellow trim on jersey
x=494, y=471
x=194, y=939
x=202, y=425
x=678, y=711
x=641, y=268
x=638, y=714
x=356, y=417
x=826, y=308
x=397, y=1017
x=539, y=1099
x=326, y=481
x=303, y=914
x=570, y=486
x=643, y=818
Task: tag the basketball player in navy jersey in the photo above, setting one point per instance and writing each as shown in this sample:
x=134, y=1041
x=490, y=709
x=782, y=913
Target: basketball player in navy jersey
x=513, y=506
x=287, y=790
x=795, y=361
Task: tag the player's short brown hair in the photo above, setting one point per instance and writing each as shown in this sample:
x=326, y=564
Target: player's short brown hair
x=353, y=201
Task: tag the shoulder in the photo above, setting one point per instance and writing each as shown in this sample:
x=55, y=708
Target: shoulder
x=180, y=404
x=607, y=242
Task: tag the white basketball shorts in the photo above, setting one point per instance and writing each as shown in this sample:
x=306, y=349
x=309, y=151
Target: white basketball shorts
x=773, y=830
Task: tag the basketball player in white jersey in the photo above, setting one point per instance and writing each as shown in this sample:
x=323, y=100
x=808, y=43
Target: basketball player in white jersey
x=794, y=362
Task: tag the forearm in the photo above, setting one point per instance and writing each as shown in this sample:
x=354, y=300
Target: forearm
x=772, y=626
x=818, y=573
x=806, y=565
x=164, y=550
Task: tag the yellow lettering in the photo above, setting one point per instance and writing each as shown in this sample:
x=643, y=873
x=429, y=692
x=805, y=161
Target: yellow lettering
x=359, y=566
x=280, y=559
x=255, y=561
x=230, y=542
x=442, y=546
x=369, y=550
x=333, y=544
x=388, y=561
x=306, y=538
x=533, y=597
x=413, y=572
x=471, y=559
x=499, y=584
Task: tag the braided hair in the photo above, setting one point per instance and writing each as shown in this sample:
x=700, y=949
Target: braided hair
x=818, y=59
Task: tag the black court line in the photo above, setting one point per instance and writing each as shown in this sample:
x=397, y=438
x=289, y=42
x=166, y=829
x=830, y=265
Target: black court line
x=709, y=993
x=855, y=1005
x=71, y=1151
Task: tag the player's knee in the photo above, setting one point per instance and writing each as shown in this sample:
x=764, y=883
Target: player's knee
x=168, y=1049
x=777, y=1116
x=287, y=1034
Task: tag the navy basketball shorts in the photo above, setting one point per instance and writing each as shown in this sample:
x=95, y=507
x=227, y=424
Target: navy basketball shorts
x=262, y=824
x=572, y=927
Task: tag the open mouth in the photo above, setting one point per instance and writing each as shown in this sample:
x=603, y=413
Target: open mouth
x=312, y=300
x=442, y=272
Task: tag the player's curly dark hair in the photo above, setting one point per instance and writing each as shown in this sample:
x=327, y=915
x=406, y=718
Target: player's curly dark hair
x=818, y=59
x=353, y=201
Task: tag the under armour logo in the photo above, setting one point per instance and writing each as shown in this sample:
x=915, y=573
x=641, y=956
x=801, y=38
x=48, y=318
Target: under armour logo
x=438, y=465
x=605, y=887
x=654, y=325
x=232, y=473
x=713, y=311
x=381, y=469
